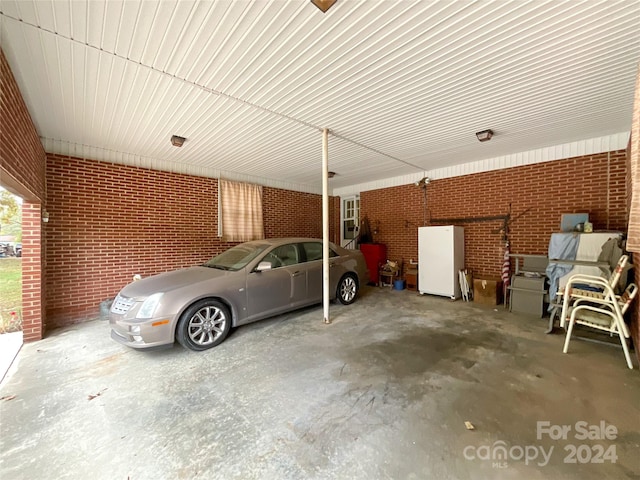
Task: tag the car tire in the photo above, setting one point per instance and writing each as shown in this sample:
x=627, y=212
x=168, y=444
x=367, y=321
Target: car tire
x=347, y=289
x=203, y=325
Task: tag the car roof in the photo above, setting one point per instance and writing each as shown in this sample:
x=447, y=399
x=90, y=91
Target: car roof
x=285, y=240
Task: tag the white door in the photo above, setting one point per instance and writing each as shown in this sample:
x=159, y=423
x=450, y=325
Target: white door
x=350, y=221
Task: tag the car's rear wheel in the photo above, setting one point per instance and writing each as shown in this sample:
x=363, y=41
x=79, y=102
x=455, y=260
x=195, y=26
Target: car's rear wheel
x=204, y=325
x=347, y=289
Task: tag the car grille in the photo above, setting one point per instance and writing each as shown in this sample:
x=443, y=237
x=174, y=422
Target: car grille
x=121, y=305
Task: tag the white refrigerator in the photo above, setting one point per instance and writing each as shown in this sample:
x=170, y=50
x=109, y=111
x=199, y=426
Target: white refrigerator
x=440, y=258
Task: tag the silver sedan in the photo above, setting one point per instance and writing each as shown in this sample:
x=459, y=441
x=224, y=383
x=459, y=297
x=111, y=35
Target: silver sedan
x=249, y=282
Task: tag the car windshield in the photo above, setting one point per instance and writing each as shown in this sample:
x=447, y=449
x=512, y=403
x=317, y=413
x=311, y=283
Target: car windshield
x=236, y=257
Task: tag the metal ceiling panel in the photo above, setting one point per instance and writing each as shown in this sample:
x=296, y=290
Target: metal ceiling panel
x=403, y=85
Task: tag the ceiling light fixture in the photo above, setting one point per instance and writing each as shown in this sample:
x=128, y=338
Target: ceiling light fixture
x=177, y=141
x=484, y=135
x=323, y=5
x=331, y=174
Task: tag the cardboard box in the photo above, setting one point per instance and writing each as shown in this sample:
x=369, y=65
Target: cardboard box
x=411, y=278
x=570, y=221
x=487, y=291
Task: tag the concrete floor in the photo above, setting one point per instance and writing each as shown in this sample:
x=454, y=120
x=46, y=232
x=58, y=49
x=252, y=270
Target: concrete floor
x=383, y=392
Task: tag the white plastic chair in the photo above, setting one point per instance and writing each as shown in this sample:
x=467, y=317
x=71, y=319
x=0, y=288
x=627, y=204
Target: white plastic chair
x=587, y=294
x=603, y=310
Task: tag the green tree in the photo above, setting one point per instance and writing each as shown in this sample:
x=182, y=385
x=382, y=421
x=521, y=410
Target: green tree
x=10, y=215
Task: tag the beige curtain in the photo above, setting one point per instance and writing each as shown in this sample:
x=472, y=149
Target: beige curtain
x=633, y=236
x=241, y=211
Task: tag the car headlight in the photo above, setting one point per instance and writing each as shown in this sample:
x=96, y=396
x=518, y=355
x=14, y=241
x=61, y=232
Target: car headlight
x=149, y=306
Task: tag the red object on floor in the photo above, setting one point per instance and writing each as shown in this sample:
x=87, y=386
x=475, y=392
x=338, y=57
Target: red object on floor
x=375, y=254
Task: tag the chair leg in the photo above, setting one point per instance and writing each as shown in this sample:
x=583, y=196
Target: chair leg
x=564, y=309
x=568, y=337
x=625, y=348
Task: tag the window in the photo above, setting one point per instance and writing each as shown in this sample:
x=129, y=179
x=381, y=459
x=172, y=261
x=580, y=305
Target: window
x=240, y=211
x=313, y=251
x=282, y=256
x=237, y=257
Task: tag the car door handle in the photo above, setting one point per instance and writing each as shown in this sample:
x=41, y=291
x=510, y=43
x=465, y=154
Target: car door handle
x=296, y=274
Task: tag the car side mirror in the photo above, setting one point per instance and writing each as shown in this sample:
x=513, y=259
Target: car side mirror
x=262, y=266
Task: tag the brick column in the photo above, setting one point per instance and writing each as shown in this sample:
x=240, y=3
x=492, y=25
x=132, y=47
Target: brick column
x=32, y=285
x=633, y=185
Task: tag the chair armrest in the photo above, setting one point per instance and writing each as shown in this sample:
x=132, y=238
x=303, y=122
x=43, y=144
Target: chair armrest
x=584, y=278
x=600, y=282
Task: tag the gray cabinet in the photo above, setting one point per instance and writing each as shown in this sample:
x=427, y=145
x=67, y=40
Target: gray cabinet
x=528, y=295
x=528, y=289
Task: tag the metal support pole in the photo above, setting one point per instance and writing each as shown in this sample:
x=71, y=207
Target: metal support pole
x=325, y=224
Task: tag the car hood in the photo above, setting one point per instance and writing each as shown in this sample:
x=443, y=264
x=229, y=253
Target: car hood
x=174, y=280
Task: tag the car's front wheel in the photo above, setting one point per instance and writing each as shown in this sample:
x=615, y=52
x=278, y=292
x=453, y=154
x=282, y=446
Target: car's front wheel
x=347, y=289
x=204, y=325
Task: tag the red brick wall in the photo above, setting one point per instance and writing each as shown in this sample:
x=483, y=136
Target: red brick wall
x=288, y=214
x=633, y=164
x=634, y=225
x=22, y=158
x=543, y=190
x=32, y=291
x=22, y=171
x=109, y=222
x=334, y=219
